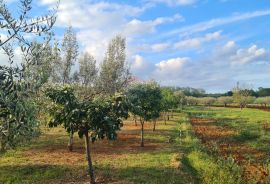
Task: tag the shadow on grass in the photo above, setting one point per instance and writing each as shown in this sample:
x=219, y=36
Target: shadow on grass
x=36, y=173
x=149, y=175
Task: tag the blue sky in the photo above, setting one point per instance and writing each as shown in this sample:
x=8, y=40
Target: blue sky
x=208, y=44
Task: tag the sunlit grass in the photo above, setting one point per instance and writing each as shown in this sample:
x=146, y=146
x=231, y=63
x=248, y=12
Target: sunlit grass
x=143, y=166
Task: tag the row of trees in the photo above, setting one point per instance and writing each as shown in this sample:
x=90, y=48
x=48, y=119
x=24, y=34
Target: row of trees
x=194, y=92
x=91, y=101
x=241, y=101
x=89, y=105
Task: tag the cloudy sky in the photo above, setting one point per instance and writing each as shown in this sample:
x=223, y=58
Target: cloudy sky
x=208, y=44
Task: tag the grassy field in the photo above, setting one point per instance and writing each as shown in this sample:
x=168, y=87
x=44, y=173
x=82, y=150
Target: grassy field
x=207, y=145
x=233, y=140
x=46, y=160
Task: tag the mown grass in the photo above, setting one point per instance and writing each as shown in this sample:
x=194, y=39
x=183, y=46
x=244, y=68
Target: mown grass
x=33, y=164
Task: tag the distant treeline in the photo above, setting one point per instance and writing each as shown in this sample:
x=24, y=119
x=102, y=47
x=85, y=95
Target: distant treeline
x=198, y=92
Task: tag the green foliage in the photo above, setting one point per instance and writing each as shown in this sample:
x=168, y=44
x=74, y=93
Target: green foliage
x=18, y=117
x=114, y=72
x=168, y=99
x=242, y=96
x=263, y=92
x=225, y=100
x=88, y=70
x=262, y=101
x=207, y=101
x=70, y=49
x=101, y=116
x=180, y=98
x=17, y=111
x=145, y=100
x=192, y=100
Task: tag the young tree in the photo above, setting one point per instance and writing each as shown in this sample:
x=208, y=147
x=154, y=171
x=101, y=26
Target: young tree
x=263, y=101
x=225, y=100
x=180, y=99
x=70, y=53
x=167, y=102
x=114, y=74
x=192, y=100
x=208, y=101
x=241, y=96
x=88, y=70
x=56, y=62
x=96, y=119
x=40, y=73
x=18, y=118
x=145, y=102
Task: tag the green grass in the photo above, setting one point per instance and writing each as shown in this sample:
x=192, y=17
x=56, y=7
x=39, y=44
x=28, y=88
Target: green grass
x=184, y=160
x=141, y=165
x=207, y=168
x=249, y=125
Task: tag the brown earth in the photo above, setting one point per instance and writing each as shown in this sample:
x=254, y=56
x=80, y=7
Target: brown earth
x=208, y=132
x=128, y=142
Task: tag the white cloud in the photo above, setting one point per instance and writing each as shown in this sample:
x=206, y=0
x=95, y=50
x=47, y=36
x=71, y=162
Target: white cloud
x=198, y=41
x=170, y=67
x=174, y=2
x=137, y=63
x=188, y=43
x=160, y=47
x=138, y=27
x=249, y=55
x=98, y=21
x=17, y=59
x=218, y=70
x=229, y=46
x=203, y=26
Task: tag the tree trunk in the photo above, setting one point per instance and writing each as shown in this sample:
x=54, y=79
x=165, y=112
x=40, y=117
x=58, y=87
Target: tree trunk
x=165, y=118
x=154, y=123
x=89, y=160
x=70, y=143
x=142, y=134
x=135, y=119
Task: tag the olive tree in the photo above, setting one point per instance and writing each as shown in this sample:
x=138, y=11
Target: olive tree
x=192, y=100
x=263, y=101
x=207, y=101
x=225, y=100
x=180, y=99
x=18, y=118
x=94, y=119
x=242, y=96
x=145, y=102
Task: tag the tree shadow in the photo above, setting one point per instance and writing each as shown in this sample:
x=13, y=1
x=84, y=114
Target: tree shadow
x=33, y=173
